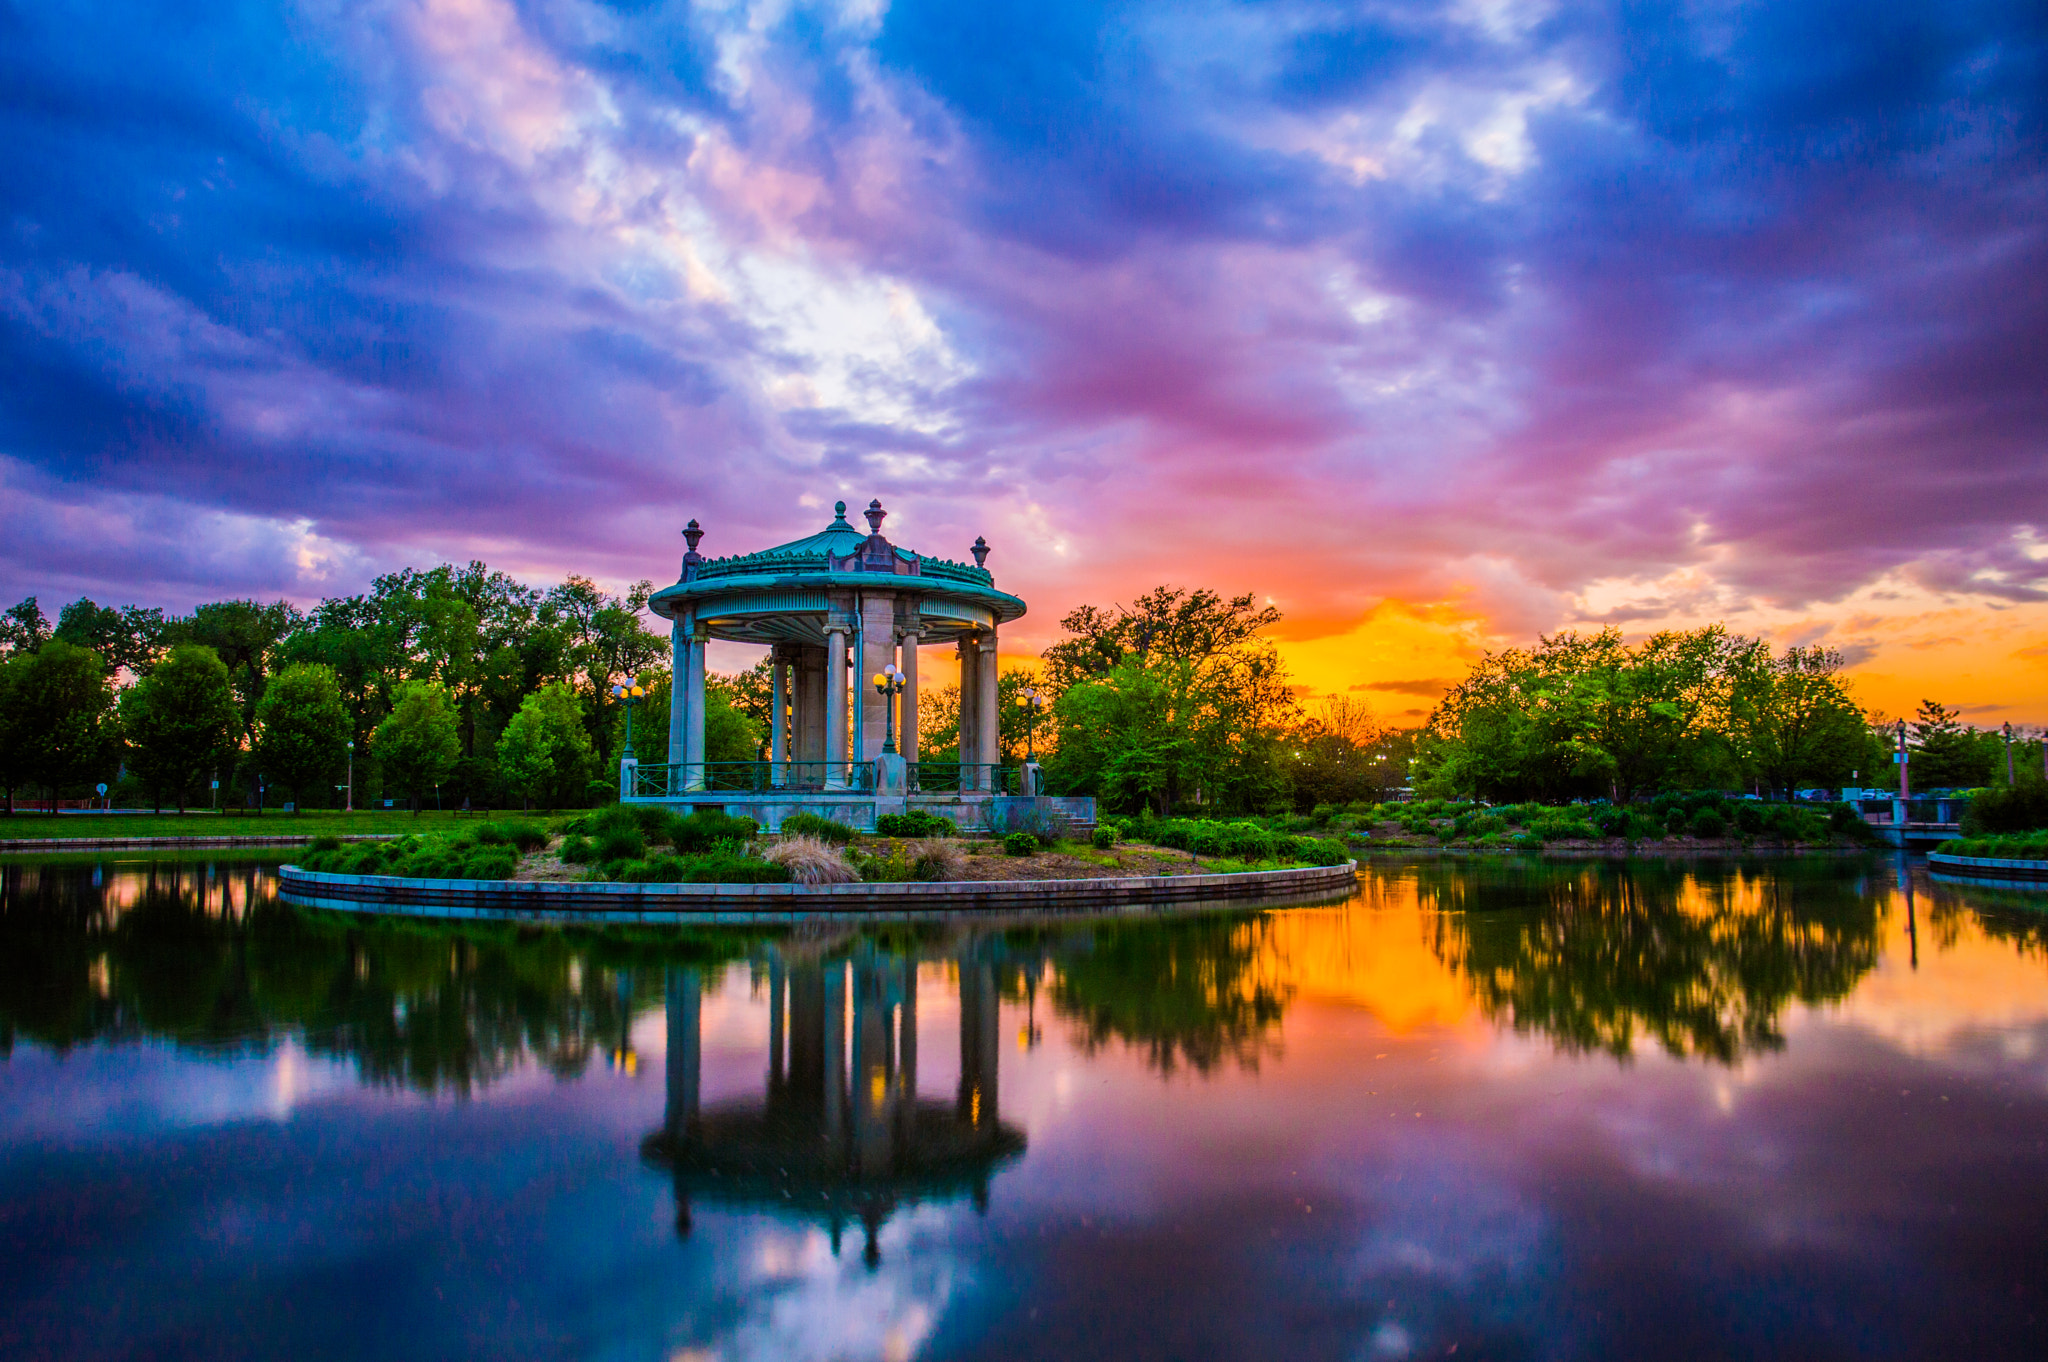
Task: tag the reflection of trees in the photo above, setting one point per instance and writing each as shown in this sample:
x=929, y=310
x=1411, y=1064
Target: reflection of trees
x=208, y=959
x=1193, y=991
x=2011, y=915
x=1596, y=955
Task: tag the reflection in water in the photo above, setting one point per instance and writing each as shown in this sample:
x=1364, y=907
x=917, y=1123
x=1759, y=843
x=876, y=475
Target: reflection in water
x=1402, y=1178
x=1597, y=956
x=838, y=1136
x=1191, y=992
x=206, y=957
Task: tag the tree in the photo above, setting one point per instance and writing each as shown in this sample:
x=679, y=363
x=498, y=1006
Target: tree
x=731, y=733
x=60, y=722
x=1175, y=698
x=128, y=638
x=1337, y=755
x=246, y=637
x=1167, y=623
x=23, y=629
x=1585, y=715
x=1791, y=717
x=545, y=751
x=938, y=721
x=179, y=720
x=15, y=769
x=1946, y=754
x=417, y=744
x=604, y=642
x=302, y=729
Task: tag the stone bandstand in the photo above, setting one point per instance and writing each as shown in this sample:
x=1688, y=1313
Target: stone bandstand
x=834, y=609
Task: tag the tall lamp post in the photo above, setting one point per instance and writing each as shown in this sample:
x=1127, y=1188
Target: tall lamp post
x=1033, y=705
x=629, y=696
x=889, y=683
x=2008, y=754
x=351, y=776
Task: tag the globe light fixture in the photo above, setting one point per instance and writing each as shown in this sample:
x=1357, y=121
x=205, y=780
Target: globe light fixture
x=629, y=695
x=889, y=683
x=1033, y=704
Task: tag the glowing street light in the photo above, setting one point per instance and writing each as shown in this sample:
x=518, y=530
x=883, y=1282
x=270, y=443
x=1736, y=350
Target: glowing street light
x=1033, y=705
x=889, y=683
x=630, y=696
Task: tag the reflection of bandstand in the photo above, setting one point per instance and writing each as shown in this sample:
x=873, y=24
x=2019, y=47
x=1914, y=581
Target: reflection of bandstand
x=835, y=609
x=840, y=1137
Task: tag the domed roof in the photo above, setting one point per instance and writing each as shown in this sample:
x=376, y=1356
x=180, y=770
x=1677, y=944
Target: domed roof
x=783, y=594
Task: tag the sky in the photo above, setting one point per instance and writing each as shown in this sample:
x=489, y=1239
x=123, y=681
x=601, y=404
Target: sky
x=1439, y=326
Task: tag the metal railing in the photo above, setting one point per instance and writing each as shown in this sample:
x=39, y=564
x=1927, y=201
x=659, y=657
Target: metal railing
x=751, y=777
x=945, y=777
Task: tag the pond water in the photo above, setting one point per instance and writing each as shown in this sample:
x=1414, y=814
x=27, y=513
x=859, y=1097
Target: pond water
x=1792, y=1108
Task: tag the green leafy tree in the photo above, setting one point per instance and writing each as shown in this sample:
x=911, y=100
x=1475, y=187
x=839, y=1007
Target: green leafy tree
x=731, y=733
x=604, y=641
x=128, y=638
x=15, y=757
x=302, y=729
x=60, y=727
x=1170, y=624
x=545, y=753
x=1791, y=717
x=246, y=637
x=1586, y=714
x=417, y=745
x=23, y=628
x=178, y=719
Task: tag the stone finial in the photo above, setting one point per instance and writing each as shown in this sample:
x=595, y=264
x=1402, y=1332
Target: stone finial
x=692, y=534
x=839, y=510
x=980, y=552
x=875, y=515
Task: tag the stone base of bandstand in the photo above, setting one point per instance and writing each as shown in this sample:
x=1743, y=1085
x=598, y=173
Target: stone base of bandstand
x=970, y=811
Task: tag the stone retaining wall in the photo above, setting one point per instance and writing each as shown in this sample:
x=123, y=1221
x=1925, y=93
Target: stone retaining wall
x=782, y=903
x=2026, y=873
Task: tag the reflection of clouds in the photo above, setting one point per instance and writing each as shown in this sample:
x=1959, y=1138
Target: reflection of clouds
x=792, y=1298
x=141, y=1090
x=1450, y=1240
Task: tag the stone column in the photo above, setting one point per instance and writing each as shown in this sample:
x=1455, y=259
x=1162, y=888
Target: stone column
x=694, y=735
x=810, y=708
x=678, y=698
x=778, y=727
x=878, y=650
x=906, y=723
x=970, y=701
x=835, y=708
x=990, y=728
x=685, y=1007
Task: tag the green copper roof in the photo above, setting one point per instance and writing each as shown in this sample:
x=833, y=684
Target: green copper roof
x=839, y=539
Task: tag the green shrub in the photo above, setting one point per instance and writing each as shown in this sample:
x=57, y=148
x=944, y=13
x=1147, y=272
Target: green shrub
x=1103, y=838
x=577, y=850
x=324, y=844
x=707, y=829
x=615, y=843
x=2021, y=846
x=1020, y=843
x=2016, y=808
x=916, y=823
x=1707, y=823
x=824, y=829
x=525, y=836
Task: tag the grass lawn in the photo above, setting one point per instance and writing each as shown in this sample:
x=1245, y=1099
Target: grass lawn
x=312, y=823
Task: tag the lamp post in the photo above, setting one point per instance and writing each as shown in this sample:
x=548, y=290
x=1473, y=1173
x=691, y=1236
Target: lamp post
x=889, y=683
x=2008, y=754
x=629, y=696
x=351, y=776
x=1033, y=704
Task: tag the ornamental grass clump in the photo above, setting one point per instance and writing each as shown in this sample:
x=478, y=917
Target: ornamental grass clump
x=810, y=860
x=939, y=861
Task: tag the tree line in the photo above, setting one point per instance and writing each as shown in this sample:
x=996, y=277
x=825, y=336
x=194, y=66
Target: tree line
x=456, y=682
x=463, y=683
